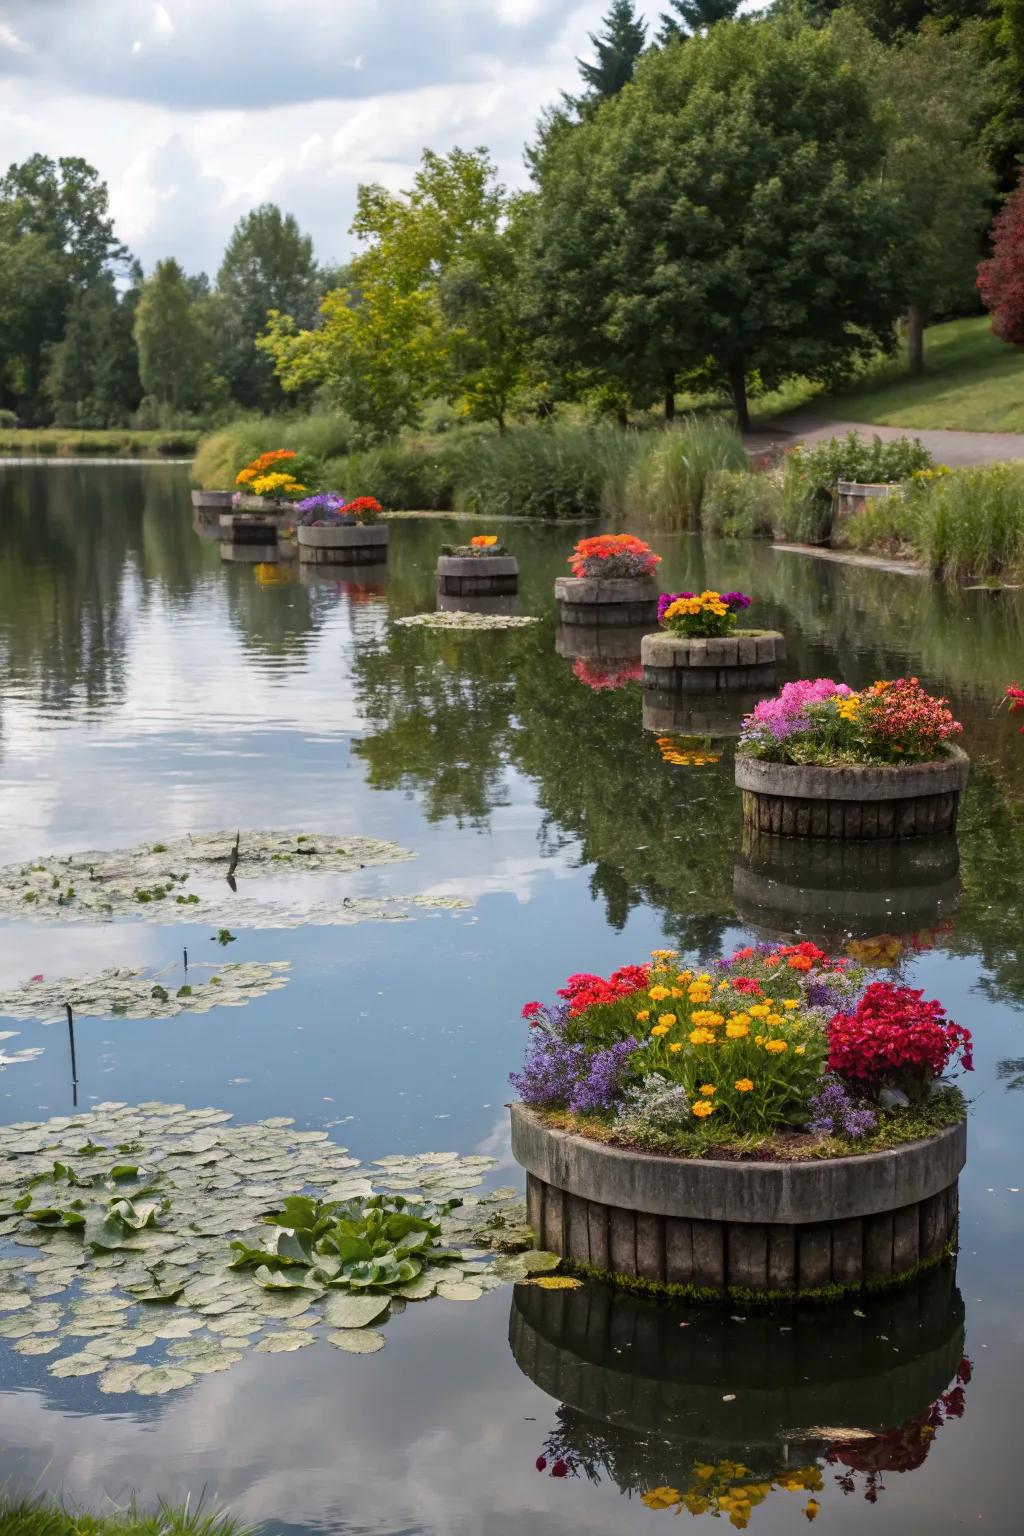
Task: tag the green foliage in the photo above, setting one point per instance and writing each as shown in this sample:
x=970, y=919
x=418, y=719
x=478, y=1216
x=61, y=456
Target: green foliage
x=691, y=17
x=412, y=474
x=617, y=47
x=672, y=473
x=175, y=340
x=49, y=1517
x=971, y=523
x=810, y=477
x=548, y=471
x=268, y=264
x=739, y=504
x=723, y=215
x=7, y=419
x=87, y=442
x=380, y=1242
x=324, y=435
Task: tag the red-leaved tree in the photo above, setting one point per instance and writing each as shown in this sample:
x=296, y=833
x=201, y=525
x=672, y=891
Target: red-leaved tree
x=1001, y=278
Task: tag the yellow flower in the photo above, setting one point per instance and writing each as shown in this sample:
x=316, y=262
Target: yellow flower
x=668, y=1019
x=664, y=954
x=774, y=1020
x=660, y=1029
x=708, y=1090
x=734, y=1030
x=658, y=994
x=701, y=1037
x=707, y=1017
x=677, y=991
x=703, y=976
x=702, y=1109
x=759, y=1039
x=723, y=986
x=704, y=1472
x=798, y=1050
x=759, y=1010
x=791, y=1002
x=699, y=993
x=743, y=1084
x=739, y=1018
x=661, y=1498
x=676, y=1047
x=684, y=977
x=644, y=1015
x=811, y=1511
x=776, y=1046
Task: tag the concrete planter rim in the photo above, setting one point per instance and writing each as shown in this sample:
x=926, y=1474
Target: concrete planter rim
x=855, y=781
x=822, y=1190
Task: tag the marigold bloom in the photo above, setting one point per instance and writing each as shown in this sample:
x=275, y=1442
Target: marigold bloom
x=664, y=954
x=667, y=1019
x=660, y=1029
x=684, y=976
x=644, y=1015
x=703, y=1108
x=483, y=540
x=776, y=1046
x=759, y=1010
x=774, y=1019
x=708, y=1090
x=707, y=1018
x=799, y=963
x=791, y=1002
x=699, y=993
x=658, y=994
x=736, y=1031
x=702, y=1037
x=676, y=1047
x=798, y=1050
x=743, y=1084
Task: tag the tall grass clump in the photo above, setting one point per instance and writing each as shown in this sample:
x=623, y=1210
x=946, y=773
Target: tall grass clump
x=972, y=522
x=49, y=1517
x=671, y=476
x=410, y=474
x=548, y=470
x=742, y=504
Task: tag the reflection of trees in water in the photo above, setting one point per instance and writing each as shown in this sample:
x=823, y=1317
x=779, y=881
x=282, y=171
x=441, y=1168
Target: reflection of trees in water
x=1011, y=1072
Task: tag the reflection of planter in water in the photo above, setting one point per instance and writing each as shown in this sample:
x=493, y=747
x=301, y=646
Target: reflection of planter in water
x=697, y=714
x=504, y=606
x=591, y=642
x=344, y=544
x=477, y=576
x=213, y=501
x=369, y=586
x=864, y=800
x=747, y=659
x=823, y=888
x=250, y=554
x=652, y=1393
x=595, y=601
x=248, y=528
x=712, y=1226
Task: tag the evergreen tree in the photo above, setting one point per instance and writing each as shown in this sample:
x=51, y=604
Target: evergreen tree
x=618, y=46
x=176, y=341
x=268, y=264
x=695, y=16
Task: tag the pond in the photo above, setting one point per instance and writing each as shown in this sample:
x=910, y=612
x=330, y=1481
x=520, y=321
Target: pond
x=150, y=690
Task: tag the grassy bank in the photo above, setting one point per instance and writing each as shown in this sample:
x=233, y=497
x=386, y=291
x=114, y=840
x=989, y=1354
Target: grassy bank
x=972, y=382
x=46, y=1517
x=75, y=443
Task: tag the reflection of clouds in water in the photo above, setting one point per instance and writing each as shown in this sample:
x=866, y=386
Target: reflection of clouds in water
x=336, y=1442
x=78, y=950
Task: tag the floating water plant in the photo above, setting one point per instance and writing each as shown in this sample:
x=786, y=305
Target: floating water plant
x=154, y=880
x=139, y=993
x=460, y=620
x=134, y=1241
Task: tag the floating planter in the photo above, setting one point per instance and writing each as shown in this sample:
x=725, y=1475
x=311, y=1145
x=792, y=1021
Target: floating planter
x=836, y=890
x=742, y=1131
x=331, y=531
x=700, y=650
x=719, y=1418
x=612, y=583
x=159, y=1250
x=481, y=568
x=821, y=760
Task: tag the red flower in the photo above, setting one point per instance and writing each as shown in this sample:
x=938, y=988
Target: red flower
x=529, y=1009
x=746, y=984
x=893, y=1032
x=560, y=1469
x=542, y=1463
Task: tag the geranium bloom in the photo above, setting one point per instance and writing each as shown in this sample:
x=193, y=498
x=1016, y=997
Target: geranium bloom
x=894, y=1033
x=613, y=554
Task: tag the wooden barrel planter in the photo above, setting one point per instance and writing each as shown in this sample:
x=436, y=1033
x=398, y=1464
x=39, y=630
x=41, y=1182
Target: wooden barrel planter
x=594, y=602
x=343, y=544
x=502, y=606
x=834, y=891
x=743, y=660
x=712, y=714
x=477, y=575
x=860, y=801
x=247, y=528
x=709, y=1227
x=654, y=1393
x=213, y=501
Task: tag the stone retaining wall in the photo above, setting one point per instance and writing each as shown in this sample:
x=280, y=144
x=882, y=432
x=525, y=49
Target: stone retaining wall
x=770, y=1228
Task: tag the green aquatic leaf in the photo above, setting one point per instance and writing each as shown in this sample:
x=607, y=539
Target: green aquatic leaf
x=347, y=1311
x=282, y=1343
x=357, y=1341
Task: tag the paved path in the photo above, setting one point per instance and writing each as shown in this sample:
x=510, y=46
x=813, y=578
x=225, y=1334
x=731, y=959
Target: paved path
x=953, y=448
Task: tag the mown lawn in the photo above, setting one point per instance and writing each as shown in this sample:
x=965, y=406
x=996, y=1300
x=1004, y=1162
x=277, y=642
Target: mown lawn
x=972, y=382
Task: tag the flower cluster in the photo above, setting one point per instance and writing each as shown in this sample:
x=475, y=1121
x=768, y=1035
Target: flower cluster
x=276, y=475
x=262, y=465
x=613, y=554
x=327, y=510
x=605, y=679
x=700, y=615
x=276, y=486
x=893, y=1037
x=821, y=721
x=687, y=751
x=834, y=1112
x=483, y=541
x=479, y=545
x=729, y=1488
x=1015, y=699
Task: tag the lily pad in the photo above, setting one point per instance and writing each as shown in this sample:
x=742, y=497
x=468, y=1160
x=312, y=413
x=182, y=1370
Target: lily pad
x=282, y=1343
x=161, y=1379
x=357, y=1341
x=354, y=1311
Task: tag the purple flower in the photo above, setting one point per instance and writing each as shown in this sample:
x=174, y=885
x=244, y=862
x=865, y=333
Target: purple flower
x=551, y=1068
x=601, y=1087
x=787, y=712
x=666, y=599
x=735, y=600
x=834, y=1112
x=321, y=508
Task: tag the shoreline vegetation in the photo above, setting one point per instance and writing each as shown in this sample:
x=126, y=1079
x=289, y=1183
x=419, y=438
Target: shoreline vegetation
x=99, y=443
x=54, y=1517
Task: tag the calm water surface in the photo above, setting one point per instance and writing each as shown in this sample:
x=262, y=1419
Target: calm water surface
x=147, y=689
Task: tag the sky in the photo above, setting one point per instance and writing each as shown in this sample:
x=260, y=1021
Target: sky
x=195, y=111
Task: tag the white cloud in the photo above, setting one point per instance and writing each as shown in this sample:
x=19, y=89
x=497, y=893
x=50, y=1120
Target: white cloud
x=10, y=40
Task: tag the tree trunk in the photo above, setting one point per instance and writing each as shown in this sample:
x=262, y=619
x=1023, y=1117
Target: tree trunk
x=738, y=385
x=670, y=397
x=915, y=338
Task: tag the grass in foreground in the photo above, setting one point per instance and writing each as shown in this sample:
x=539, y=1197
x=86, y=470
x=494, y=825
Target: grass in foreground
x=47, y=1517
x=972, y=382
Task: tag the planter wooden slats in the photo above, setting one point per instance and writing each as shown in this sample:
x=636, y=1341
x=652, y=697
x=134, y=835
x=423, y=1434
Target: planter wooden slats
x=861, y=801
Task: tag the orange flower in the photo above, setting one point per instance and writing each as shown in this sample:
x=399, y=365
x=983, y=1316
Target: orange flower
x=483, y=540
x=799, y=963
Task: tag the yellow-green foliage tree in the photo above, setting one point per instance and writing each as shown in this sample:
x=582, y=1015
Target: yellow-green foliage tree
x=432, y=307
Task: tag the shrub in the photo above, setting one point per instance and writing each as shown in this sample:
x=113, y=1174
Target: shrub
x=222, y=454
x=8, y=420
x=410, y=474
x=1001, y=278
x=742, y=504
x=970, y=523
x=674, y=469
x=810, y=477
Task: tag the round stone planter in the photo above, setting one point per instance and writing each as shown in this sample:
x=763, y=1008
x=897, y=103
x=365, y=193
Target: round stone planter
x=695, y=714
x=247, y=528
x=210, y=501
x=748, y=658
x=344, y=544
x=477, y=575
x=774, y=1230
x=862, y=801
x=647, y=1398
x=836, y=891
x=594, y=601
